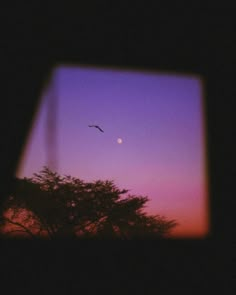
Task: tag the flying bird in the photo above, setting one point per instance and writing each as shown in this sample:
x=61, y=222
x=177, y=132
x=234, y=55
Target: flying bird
x=96, y=126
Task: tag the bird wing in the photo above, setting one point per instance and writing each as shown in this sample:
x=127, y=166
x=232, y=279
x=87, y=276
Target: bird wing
x=96, y=126
x=100, y=129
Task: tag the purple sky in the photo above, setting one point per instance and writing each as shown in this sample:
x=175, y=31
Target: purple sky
x=159, y=118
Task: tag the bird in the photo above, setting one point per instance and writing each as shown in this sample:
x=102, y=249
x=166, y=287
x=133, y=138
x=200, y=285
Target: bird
x=96, y=126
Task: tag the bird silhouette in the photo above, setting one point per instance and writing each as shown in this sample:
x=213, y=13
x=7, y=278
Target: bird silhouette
x=96, y=126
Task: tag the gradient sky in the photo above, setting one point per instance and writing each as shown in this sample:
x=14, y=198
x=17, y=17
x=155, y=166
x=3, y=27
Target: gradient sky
x=159, y=117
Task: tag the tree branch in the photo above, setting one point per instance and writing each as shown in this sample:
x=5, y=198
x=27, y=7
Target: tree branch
x=20, y=225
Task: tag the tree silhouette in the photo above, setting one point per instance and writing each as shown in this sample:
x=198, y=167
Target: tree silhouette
x=49, y=205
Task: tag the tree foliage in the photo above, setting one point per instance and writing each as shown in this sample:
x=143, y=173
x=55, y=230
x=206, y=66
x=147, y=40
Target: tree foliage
x=49, y=205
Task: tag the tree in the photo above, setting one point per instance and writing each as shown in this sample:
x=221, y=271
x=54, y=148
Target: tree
x=49, y=205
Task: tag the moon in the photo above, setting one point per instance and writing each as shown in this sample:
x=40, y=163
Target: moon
x=119, y=140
